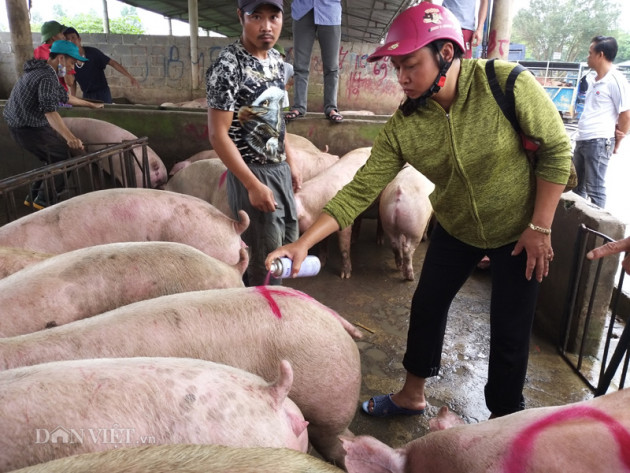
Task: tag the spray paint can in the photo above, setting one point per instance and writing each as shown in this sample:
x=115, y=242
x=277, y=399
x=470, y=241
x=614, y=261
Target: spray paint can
x=281, y=267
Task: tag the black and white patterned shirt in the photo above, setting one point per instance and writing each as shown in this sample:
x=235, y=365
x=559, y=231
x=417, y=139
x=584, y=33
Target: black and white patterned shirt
x=254, y=91
x=36, y=93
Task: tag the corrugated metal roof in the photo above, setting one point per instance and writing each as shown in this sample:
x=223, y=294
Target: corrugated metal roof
x=362, y=20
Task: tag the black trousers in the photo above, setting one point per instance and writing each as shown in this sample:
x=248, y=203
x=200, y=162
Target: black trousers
x=49, y=147
x=447, y=265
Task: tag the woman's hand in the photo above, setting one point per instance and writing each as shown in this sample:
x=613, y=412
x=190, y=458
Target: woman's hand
x=295, y=251
x=537, y=245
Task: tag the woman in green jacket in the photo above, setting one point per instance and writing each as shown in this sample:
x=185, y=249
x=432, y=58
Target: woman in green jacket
x=488, y=200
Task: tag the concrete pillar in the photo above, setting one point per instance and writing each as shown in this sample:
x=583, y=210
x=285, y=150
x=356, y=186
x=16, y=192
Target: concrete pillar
x=500, y=29
x=193, y=21
x=105, y=18
x=21, y=38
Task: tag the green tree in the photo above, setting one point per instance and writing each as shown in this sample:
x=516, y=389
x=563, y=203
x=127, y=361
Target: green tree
x=128, y=23
x=565, y=26
x=623, y=40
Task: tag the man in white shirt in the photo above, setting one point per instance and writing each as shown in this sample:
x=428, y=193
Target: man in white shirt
x=604, y=121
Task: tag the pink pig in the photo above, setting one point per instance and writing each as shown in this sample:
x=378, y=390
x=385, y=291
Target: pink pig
x=316, y=192
x=90, y=130
x=116, y=215
x=404, y=212
x=585, y=437
x=187, y=459
x=88, y=281
x=54, y=410
x=250, y=328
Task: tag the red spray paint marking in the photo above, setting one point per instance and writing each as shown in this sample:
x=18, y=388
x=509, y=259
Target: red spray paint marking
x=222, y=178
x=522, y=446
x=267, y=293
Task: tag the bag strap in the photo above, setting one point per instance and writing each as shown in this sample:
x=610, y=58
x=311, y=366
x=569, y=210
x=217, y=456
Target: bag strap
x=505, y=100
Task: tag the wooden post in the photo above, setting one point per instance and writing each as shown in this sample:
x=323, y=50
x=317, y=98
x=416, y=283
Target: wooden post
x=21, y=37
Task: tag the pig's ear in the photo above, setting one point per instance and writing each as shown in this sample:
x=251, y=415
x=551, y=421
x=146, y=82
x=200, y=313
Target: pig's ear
x=243, y=261
x=366, y=454
x=280, y=389
x=243, y=222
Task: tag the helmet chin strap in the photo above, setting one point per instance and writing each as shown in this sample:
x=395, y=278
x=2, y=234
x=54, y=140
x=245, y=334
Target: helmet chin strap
x=411, y=105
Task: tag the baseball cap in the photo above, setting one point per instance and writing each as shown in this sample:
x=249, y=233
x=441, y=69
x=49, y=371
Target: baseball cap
x=50, y=29
x=69, y=49
x=71, y=30
x=249, y=6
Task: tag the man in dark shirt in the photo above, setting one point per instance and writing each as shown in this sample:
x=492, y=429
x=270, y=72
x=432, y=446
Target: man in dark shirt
x=91, y=75
x=245, y=90
x=31, y=113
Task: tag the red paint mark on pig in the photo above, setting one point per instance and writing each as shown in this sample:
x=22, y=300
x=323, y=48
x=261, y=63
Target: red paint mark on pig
x=522, y=446
x=266, y=293
x=222, y=178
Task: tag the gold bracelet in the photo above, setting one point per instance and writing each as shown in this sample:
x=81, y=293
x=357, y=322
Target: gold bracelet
x=543, y=230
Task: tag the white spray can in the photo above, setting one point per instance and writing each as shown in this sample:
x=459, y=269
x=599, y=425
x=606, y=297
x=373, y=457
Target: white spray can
x=281, y=267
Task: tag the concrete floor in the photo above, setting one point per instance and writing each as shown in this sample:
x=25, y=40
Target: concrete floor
x=378, y=298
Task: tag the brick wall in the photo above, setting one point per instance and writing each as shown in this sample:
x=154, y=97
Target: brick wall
x=162, y=66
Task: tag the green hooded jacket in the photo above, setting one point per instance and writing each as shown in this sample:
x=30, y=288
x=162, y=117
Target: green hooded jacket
x=485, y=188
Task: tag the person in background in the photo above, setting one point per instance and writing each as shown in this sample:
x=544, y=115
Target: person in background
x=487, y=199
x=245, y=90
x=91, y=75
x=466, y=13
x=32, y=117
x=604, y=121
x=321, y=18
x=288, y=73
x=53, y=31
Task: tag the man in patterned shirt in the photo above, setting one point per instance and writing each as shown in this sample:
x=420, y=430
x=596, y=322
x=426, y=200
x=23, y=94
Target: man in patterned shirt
x=31, y=113
x=245, y=89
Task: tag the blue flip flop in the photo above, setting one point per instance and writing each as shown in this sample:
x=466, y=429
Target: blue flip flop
x=385, y=407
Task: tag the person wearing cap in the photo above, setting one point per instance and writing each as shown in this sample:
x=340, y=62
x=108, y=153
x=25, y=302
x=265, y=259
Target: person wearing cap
x=32, y=117
x=245, y=89
x=311, y=18
x=488, y=199
x=91, y=75
x=53, y=31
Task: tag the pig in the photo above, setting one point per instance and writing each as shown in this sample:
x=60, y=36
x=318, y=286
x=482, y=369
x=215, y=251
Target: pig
x=404, y=212
x=188, y=459
x=205, y=179
x=102, y=133
x=250, y=328
x=88, y=281
x=308, y=159
x=201, y=102
x=316, y=192
x=583, y=437
x=58, y=409
x=14, y=259
x=116, y=215
x=205, y=154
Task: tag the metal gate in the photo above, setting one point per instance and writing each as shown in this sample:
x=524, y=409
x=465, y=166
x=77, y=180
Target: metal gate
x=114, y=165
x=608, y=368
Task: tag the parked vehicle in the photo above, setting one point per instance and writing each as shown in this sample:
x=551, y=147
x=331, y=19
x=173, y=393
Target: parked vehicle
x=561, y=80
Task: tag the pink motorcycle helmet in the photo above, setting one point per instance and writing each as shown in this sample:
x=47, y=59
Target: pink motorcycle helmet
x=416, y=27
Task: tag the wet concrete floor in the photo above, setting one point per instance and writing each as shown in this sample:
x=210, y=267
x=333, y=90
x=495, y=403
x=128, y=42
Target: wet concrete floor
x=377, y=297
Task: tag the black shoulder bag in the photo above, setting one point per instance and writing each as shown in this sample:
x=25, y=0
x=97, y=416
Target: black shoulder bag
x=507, y=105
